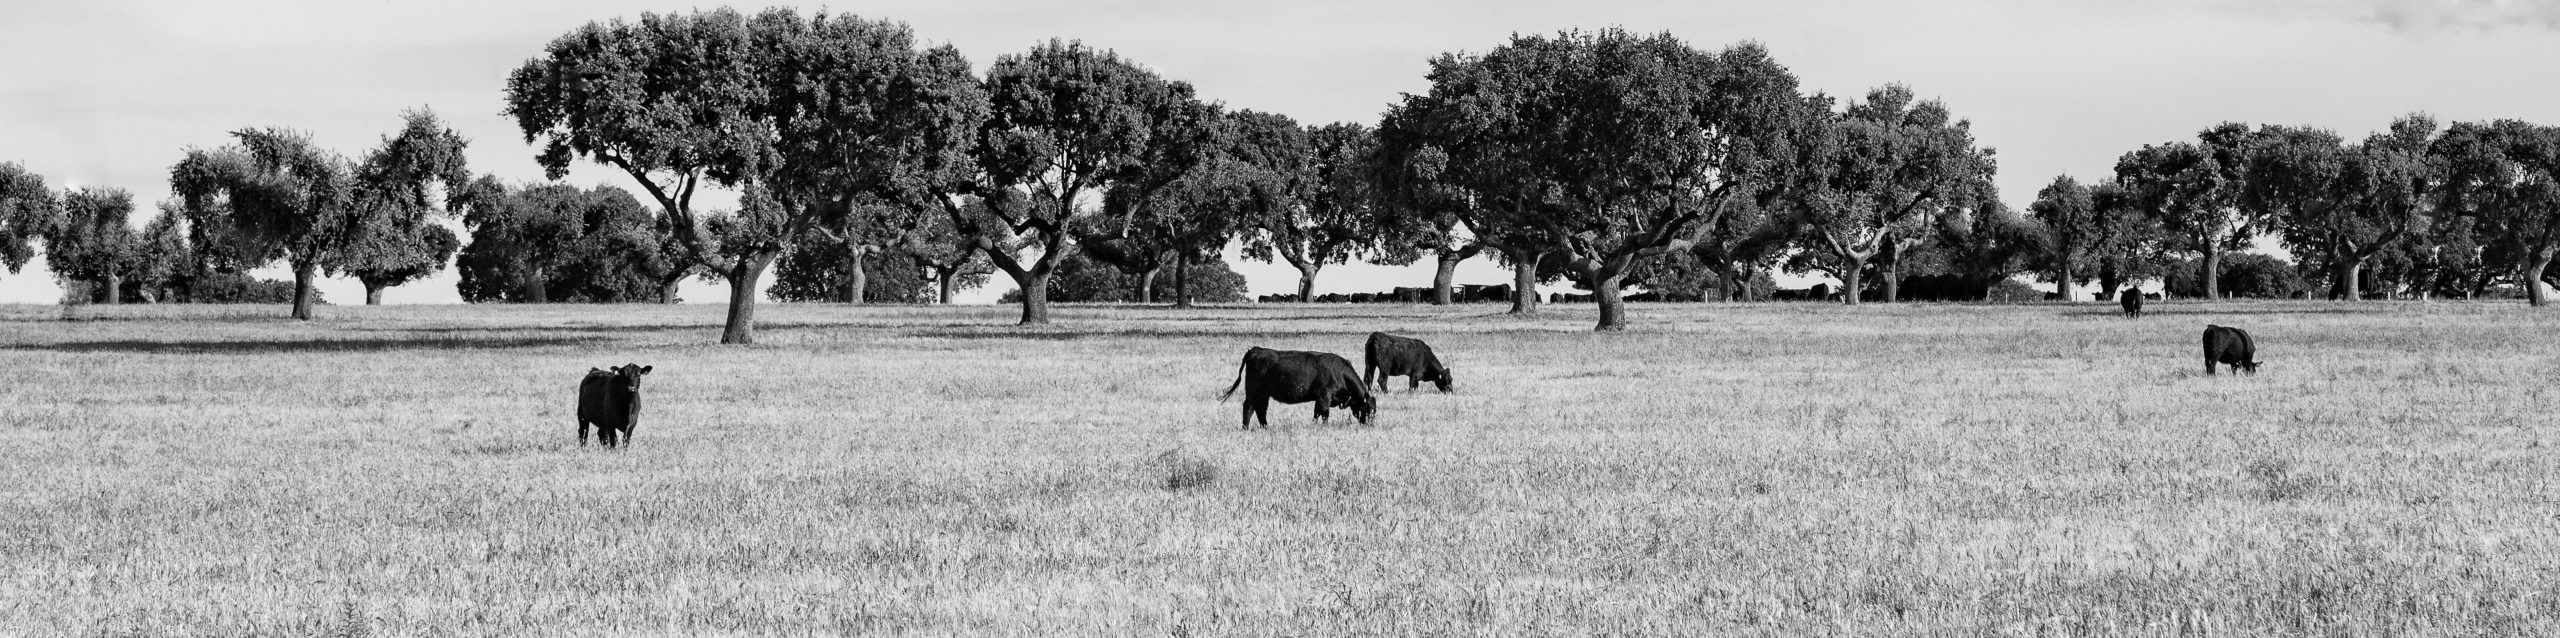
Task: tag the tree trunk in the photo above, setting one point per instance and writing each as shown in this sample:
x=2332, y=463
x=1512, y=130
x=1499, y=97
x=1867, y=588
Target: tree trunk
x=1147, y=284
x=2212, y=271
x=536, y=288
x=1727, y=285
x=1849, y=279
x=1445, y=277
x=1613, y=307
x=2537, y=293
x=2062, y=280
x=1182, y=282
x=1893, y=277
x=857, y=278
x=1307, y=283
x=740, y=330
x=115, y=290
x=373, y=293
x=1524, y=282
x=667, y=290
x=943, y=279
x=1035, y=298
x=305, y=276
x=2346, y=277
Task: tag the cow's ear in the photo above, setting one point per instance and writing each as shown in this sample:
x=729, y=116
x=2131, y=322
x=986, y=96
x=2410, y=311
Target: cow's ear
x=646, y=369
x=593, y=370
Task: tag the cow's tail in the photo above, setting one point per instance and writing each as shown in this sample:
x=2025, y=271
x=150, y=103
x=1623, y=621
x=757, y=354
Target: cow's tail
x=1231, y=388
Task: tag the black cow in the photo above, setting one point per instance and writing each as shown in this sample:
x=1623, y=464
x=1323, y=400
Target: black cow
x=610, y=400
x=1290, y=376
x=1393, y=356
x=2132, y=300
x=2231, y=347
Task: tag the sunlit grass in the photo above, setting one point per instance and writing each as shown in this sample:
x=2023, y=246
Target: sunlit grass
x=1775, y=469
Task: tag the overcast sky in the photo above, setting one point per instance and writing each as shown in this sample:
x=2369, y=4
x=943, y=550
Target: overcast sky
x=109, y=93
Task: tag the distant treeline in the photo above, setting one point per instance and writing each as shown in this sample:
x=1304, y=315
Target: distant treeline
x=1614, y=160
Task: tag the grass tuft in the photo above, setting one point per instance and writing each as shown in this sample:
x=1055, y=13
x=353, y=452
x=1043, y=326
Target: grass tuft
x=1183, y=471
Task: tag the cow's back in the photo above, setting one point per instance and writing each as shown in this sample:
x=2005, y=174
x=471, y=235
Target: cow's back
x=1381, y=349
x=1284, y=376
x=2228, y=345
x=1400, y=356
x=1291, y=376
x=595, y=398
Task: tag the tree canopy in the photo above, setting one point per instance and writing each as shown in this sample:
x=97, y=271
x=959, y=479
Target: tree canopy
x=816, y=112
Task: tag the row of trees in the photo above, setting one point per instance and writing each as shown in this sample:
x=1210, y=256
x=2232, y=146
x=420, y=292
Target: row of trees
x=852, y=141
x=2431, y=210
x=1607, y=158
x=1583, y=155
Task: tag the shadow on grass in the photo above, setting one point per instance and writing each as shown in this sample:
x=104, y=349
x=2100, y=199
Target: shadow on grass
x=602, y=328
x=303, y=345
x=997, y=333
x=2201, y=310
x=1052, y=335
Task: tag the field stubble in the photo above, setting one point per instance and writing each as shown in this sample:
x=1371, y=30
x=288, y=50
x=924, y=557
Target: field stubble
x=1772, y=469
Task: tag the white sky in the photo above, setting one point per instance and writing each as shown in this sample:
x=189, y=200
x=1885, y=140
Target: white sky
x=110, y=93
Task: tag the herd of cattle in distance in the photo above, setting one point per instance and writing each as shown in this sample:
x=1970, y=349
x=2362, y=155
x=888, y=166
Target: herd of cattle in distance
x=609, y=398
x=1914, y=288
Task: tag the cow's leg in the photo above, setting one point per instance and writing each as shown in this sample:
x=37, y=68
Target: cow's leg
x=2208, y=366
x=1257, y=407
x=582, y=432
x=626, y=432
x=1369, y=373
x=1413, y=383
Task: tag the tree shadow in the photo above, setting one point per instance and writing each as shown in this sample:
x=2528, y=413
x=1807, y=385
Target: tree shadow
x=2201, y=310
x=998, y=334
x=303, y=345
x=600, y=328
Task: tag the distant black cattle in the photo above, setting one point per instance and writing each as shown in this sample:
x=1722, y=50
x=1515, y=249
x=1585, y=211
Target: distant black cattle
x=610, y=401
x=1393, y=356
x=2231, y=347
x=2132, y=301
x=1481, y=293
x=1290, y=376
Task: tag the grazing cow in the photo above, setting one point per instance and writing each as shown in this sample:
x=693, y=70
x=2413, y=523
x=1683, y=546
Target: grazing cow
x=2132, y=300
x=1290, y=376
x=2231, y=347
x=1393, y=356
x=610, y=400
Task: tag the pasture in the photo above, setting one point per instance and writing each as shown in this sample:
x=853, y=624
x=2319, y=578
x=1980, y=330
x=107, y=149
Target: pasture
x=1753, y=470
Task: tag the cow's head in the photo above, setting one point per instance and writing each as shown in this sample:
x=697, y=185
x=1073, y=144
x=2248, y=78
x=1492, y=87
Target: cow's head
x=1364, y=406
x=1447, y=377
x=626, y=377
x=2250, y=367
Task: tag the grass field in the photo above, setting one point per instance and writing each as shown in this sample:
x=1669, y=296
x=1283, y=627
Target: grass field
x=1770, y=469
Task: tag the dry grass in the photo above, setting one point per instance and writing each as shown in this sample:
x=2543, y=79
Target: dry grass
x=1777, y=470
